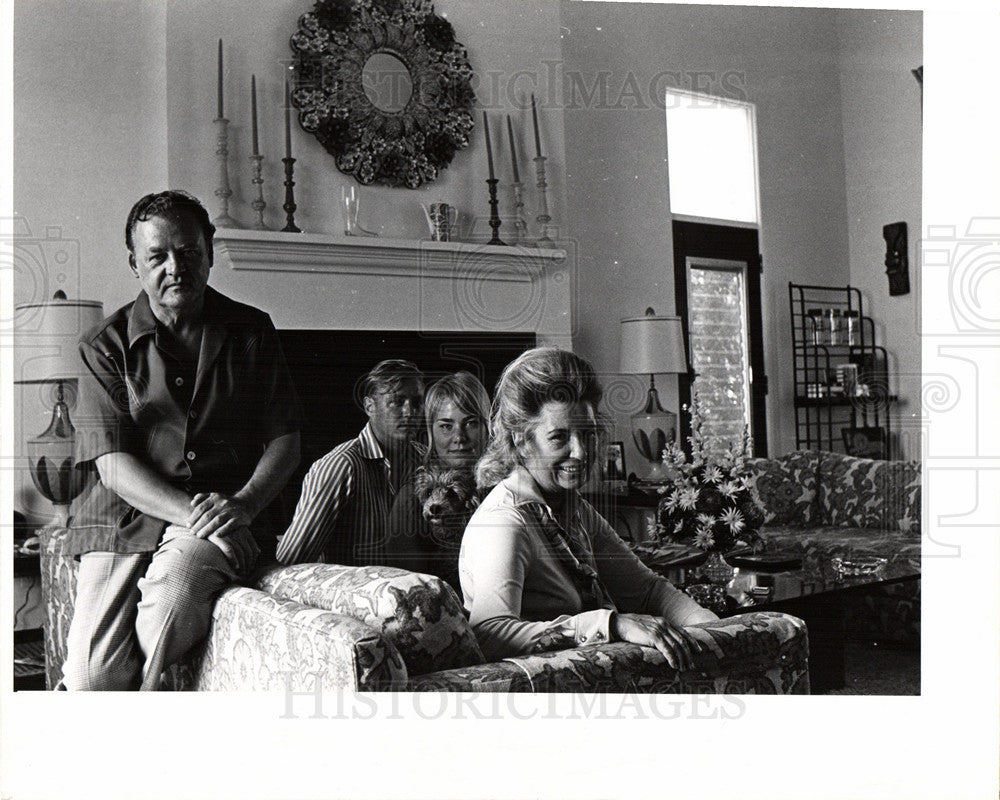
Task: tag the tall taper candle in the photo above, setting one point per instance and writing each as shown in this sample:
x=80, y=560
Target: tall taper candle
x=288, y=123
x=220, y=116
x=513, y=152
x=253, y=113
x=534, y=119
x=489, y=147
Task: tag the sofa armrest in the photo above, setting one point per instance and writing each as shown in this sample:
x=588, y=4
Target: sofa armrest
x=419, y=615
x=757, y=653
x=265, y=643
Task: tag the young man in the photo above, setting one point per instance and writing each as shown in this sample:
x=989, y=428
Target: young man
x=187, y=412
x=346, y=496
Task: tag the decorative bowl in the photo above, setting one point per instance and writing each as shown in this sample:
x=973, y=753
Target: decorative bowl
x=861, y=565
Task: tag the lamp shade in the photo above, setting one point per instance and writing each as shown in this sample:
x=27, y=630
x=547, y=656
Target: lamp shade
x=652, y=345
x=46, y=336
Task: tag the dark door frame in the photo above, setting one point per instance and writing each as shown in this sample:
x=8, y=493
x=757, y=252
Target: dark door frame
x=703, y=240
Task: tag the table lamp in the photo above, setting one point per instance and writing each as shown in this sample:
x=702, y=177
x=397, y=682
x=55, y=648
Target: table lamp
x=649, y=345
x=47, y=335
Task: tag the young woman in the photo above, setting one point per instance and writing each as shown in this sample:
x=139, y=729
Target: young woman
x=431, y=511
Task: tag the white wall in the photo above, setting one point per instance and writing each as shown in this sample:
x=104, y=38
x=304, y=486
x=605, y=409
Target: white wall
x=90, y=137
x=783, y=60
x=882, y=142
x=256, y=42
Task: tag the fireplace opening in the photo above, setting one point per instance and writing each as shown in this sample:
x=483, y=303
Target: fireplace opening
x=327, y=367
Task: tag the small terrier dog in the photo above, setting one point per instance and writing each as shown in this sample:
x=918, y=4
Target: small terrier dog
x=447, y=498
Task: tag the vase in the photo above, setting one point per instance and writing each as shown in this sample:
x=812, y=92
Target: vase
x=716, y=570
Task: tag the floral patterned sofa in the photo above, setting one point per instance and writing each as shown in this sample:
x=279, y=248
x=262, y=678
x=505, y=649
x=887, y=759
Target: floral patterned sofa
x=820, y=505
x=386, y=629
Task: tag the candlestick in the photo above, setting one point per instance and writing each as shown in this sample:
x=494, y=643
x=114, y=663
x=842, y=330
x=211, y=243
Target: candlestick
x=221, y=114
x=513, y=151
x=288, y=123
x=258, y=205
x=520, y=226
x=489, y=147
x=289, y=206
x=494, y=214
x=223, y=192
x=253, y=113
x=534, y=120
x=543, y=218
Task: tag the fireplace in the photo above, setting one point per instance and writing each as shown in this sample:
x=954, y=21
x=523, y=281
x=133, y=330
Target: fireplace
x=327, y=367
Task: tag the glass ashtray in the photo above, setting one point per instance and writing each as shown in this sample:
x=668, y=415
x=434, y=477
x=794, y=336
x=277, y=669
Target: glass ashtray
x=866, y=565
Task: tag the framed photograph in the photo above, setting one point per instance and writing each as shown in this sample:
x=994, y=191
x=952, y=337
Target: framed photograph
x=614, y=462
x=867, y=442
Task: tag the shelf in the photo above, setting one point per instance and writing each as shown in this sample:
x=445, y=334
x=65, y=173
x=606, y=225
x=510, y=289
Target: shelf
x=820, y=421
x=276, y=251
x=819, y=402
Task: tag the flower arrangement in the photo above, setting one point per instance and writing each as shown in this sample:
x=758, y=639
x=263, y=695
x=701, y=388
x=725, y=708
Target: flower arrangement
x=708, y=500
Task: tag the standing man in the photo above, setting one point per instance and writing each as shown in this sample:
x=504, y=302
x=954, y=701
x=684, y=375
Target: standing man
x=187, y=412
x=346, y=496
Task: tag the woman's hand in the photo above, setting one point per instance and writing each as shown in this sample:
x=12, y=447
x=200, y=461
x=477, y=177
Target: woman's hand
x=676, y=644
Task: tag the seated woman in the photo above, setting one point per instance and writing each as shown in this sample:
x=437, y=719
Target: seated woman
x=540, y=568
x=430, y=512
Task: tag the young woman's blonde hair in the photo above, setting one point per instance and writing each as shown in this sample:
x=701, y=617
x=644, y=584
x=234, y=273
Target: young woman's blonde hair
x=534, y=378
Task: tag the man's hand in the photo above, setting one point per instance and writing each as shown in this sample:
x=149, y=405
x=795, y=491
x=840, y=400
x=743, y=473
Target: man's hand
x=215, y=514
x=238, y=547
x=677, y=646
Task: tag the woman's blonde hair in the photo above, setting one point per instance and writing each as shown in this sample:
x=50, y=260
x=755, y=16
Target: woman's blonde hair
x=534, y=378
x=465, y=391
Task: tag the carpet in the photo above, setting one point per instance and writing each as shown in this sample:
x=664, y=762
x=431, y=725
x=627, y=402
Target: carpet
x=873, y=668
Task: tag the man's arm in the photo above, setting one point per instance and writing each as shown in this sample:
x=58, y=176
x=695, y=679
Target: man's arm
x=327, y=487
x=220, y=514
x=143, y=488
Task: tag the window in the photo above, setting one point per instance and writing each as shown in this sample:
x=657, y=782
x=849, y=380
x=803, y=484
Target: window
x=712, y=157
x=719, y=339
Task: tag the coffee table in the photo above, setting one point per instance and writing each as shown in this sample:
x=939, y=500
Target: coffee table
x=815, y=592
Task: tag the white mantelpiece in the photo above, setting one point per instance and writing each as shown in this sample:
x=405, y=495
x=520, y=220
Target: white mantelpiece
x=275, y=251
x=308, y=280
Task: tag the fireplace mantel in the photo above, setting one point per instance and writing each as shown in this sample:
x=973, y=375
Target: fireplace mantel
x=275, y=251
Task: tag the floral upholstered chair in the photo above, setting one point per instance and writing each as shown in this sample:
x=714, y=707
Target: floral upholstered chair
x=387, y=629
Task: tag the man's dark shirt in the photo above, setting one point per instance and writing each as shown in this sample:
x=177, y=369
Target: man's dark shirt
x=201, y=426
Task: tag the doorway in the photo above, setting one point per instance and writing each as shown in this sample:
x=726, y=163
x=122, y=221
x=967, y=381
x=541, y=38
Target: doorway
x=717, y=295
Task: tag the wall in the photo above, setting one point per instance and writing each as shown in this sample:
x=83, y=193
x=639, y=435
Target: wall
x=783, y=60
x=256, y=42
x=90, y=137
x=881, y=103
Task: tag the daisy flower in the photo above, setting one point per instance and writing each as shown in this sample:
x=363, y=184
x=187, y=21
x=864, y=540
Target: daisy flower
x=713, y=474
x=734, y=519
x=729, y=489
x=688, y=498
x=704, y=539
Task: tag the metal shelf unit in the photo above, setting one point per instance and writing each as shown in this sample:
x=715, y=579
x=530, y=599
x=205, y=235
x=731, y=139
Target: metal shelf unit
x=841, y=377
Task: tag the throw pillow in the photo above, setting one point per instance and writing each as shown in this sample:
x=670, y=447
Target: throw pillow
x=869, y=493
x=786, y=487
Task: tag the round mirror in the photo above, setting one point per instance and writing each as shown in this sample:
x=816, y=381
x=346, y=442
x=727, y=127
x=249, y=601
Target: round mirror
x=386, y=82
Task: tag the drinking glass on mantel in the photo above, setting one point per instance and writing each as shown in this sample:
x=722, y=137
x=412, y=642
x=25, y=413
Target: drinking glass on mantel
x=349, y=205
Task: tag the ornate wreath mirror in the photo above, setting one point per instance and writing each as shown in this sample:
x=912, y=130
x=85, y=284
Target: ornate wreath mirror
x=384, y=87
